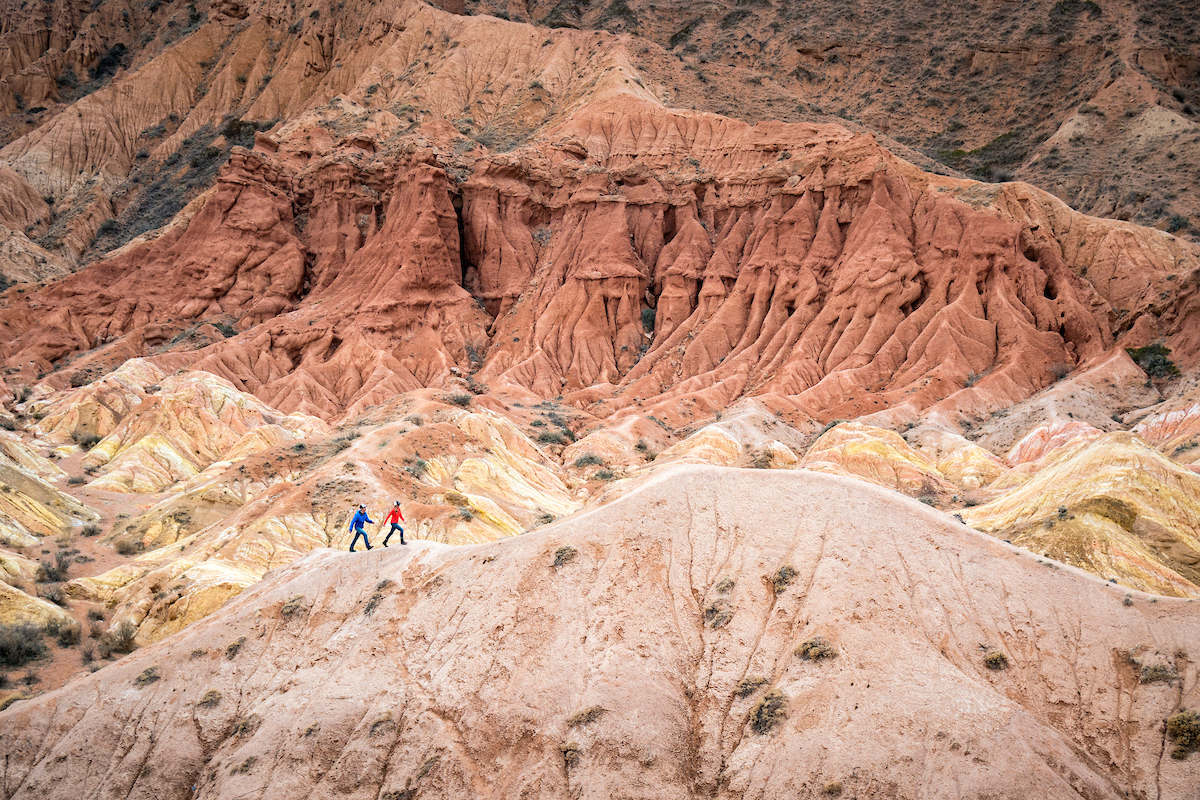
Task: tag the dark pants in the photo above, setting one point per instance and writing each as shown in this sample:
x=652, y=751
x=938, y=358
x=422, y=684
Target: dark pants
x=394, y=528
x=357, y=533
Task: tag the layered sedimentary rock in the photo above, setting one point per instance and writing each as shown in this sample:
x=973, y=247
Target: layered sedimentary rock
x=351, y=675
x=626, y=255
x=461, y=477
x=1110, y=504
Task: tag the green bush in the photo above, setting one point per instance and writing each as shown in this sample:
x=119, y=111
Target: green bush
x=1183, y=729
x=20, y=644
x=588, y=459
x=564, y=555
x=769, y=712
x=816, y=649
x=996, y=660
x=1153, y=360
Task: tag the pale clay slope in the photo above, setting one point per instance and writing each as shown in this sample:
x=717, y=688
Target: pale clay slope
x=454, y=672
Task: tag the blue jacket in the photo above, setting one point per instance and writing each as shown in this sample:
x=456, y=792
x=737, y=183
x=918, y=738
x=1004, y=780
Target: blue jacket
x=360, y=517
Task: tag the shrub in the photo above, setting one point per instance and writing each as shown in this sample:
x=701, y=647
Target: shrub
x=56, y=572
x=372, y=603
x=564, y=555
x=551, y=437
x=244, y=726
x=95, y=614
x=234, y=647
x=816, y=649
x=769, y=712
x=604, y=475
x=724, y=586
x=460, y=399
x=86, y=441
x=748, y=686
x=211, y=698
x=1157, y=673
x=586, y=717
x=128, y=547
x=717, y=615
x=119, y=639
x=149, y=675
x=20, y=644
x=782, y=577
x=832, y=789
x=54, y=594
x=1153, y=360
x=648, y=315
x=996, y=660
x=570, y=754
x=68, y=635
x=588, y=459
x=293, y=606
x=416, y=466
x=761, y=459
x=91, y=529
x=1184, y=730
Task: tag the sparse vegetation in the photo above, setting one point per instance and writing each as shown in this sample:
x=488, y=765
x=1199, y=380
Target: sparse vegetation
x=54, y=594
x=20, y=644
x=717, y=615
x=769, y=712
x=570, y=754
x=91, y=529
x=372, y=603
x=995, y=660
x=551, y=437
x=234, y=647
x=293, y=606
x=816, y=649
x=210, y=699
x=86, y=441
x=586, y=717
x=604, y=475
x=724, y=586
x=832, y=789
x=1183, y=729
x=1157, y=673
x=761, y=458
x=56, y=572
x=460, y=399
x=564, y=555
x=782, y=577
x=119, y=639
x=128, y=547
x=1154, y=361
x=748, y=686
x=588, y=459
x=245, y=767
x=148, y=676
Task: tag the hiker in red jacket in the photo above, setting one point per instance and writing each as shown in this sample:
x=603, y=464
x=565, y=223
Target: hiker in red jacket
x=394, y=518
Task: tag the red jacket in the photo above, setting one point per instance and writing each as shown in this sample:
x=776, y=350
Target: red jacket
x=394, y=516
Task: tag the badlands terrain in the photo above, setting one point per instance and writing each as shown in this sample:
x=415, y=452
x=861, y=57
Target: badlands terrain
x=781, y=405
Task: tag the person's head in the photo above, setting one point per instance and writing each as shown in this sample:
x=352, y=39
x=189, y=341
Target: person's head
x=361, y=507
x=396, y=503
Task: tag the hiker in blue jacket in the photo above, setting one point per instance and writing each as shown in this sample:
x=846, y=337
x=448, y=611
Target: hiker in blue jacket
x=356, y=524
